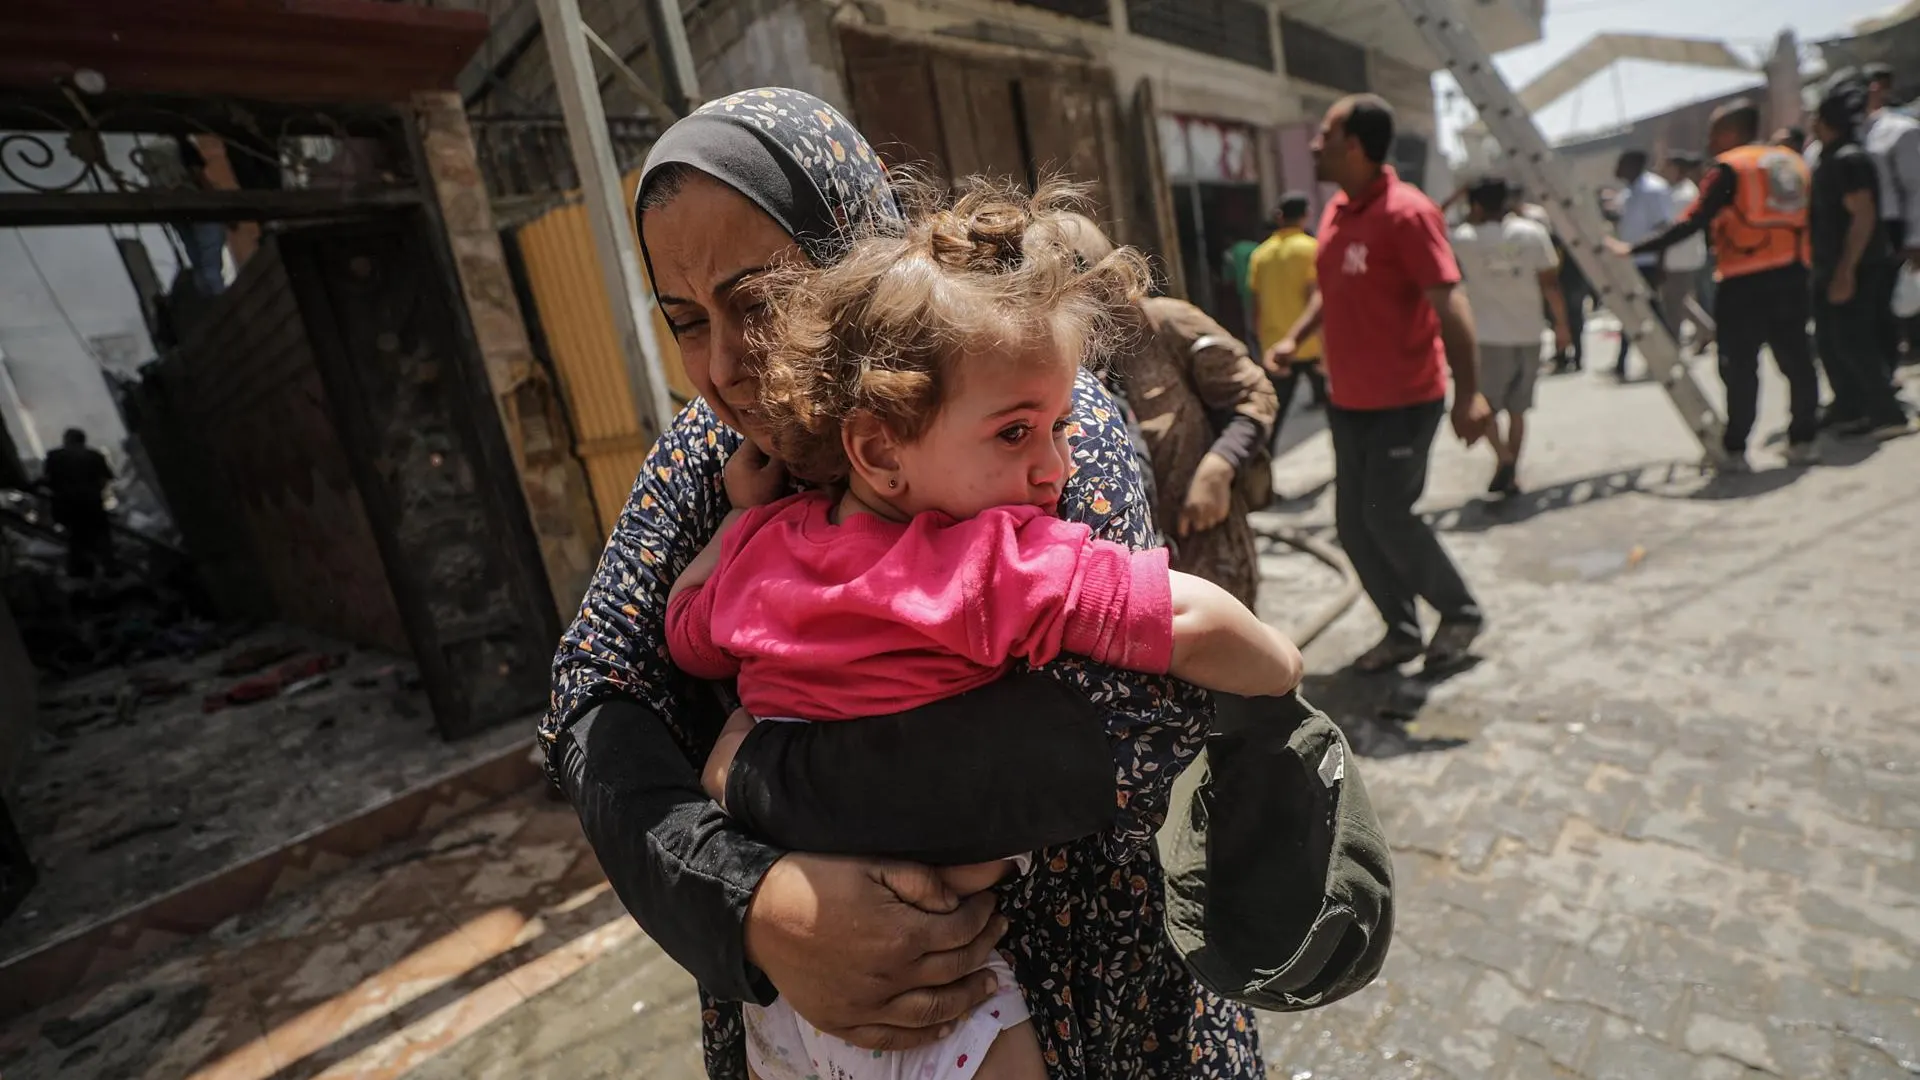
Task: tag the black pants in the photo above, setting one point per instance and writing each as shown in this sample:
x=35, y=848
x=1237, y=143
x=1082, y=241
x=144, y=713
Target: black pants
x=89, y=535
x=1876, y=282
x=1287, y=385
x=1654, y=276
x=1380, y=471
x=1850, y=350
x=1768, y=308
x=1573, y=290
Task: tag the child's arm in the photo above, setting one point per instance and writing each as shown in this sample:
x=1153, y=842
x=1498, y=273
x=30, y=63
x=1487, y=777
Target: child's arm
x=1219, y=644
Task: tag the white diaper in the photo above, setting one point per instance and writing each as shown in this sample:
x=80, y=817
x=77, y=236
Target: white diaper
x=782, y=1046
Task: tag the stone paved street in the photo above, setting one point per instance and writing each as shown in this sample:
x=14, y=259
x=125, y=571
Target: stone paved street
x=1665, y=829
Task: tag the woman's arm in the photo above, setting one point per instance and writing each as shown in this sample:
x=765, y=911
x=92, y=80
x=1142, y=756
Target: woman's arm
x=625, y=727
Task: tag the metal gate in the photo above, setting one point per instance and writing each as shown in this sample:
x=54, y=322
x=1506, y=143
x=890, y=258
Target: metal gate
x=432, y=465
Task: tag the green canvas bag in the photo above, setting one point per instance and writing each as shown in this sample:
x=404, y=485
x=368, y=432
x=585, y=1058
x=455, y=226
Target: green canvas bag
x=1279, y=882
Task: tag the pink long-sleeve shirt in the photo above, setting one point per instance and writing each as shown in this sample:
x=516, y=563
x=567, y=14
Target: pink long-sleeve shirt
x=824, y=621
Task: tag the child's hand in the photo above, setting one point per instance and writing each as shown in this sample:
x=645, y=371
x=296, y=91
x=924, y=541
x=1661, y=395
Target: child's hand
x=753, y=478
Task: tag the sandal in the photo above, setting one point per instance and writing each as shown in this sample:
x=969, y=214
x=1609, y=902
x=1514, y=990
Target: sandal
x=1389, y=654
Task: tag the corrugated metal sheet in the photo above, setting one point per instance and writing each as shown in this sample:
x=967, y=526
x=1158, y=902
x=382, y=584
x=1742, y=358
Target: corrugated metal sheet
x=564, y=277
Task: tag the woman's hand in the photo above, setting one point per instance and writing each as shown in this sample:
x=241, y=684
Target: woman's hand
x=1209, y=497
x=881, y=954
x=753, y=478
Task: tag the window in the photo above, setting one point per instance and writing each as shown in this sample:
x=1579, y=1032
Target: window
x=1235, y=30
x=1316, y=56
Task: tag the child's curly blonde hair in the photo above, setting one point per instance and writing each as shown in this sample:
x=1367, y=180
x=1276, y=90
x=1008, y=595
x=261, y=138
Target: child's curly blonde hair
x=879, y=331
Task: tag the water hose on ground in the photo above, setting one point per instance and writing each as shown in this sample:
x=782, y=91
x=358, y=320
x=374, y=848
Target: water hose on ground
x=1327, y=553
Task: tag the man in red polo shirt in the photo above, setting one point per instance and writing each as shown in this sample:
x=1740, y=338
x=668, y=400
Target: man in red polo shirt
x=1393, y=319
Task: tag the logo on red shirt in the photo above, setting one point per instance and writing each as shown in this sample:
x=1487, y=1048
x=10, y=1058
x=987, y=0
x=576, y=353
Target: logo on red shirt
x=1356, y=261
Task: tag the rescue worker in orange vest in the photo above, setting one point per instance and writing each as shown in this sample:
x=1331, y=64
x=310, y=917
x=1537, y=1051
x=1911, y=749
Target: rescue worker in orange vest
x=1754, y=204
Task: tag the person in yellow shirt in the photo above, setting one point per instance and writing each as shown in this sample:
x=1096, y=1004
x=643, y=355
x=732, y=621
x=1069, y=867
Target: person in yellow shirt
x=1281, y=277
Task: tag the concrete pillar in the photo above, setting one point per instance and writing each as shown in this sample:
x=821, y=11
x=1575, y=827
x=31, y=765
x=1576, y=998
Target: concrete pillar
x=531, y=413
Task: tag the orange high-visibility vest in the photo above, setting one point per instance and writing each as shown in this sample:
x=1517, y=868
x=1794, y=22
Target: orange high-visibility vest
x=1765, y=228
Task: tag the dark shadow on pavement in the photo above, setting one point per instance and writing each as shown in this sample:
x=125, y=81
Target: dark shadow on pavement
x=1491, y=512
x=1378, y=711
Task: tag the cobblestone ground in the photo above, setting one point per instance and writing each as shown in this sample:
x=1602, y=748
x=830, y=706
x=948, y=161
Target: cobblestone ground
x=1667, y=828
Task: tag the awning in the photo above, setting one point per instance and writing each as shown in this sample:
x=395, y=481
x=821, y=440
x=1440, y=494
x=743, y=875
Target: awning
x=309, y=51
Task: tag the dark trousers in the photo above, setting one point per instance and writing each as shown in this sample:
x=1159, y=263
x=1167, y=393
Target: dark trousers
x=1654, y=276
x=1574, y=291
x=89, y=535
x=1288, y=385
x=1768, y=308
x=1380, y=471
x=1850, y=351
x=1876, y=282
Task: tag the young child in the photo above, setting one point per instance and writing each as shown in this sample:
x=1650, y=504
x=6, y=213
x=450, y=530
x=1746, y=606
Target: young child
x=925, y=384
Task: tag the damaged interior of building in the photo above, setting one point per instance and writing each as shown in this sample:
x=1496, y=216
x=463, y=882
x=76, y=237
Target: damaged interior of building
x=313, y=608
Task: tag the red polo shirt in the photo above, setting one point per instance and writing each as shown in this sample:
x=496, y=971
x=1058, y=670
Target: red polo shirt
x=1379, y=254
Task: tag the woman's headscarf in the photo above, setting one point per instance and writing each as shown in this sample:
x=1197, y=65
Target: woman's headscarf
x=793, y=154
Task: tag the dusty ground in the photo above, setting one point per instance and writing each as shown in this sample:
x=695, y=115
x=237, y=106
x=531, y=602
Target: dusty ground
x=1666, y=829
x=126, y=797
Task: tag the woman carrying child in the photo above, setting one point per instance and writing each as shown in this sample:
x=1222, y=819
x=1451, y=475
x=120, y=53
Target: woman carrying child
x=925, y=385
x=879, y=951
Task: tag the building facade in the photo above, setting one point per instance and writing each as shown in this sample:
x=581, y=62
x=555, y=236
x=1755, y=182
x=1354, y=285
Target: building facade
x=1190, y=116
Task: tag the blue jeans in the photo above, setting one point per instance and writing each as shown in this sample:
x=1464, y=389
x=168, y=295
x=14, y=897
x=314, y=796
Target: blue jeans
x=206, y=244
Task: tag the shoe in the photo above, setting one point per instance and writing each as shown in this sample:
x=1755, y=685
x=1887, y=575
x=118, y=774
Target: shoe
x=1893, y=430
x=1850, y=428
x=1832, y=420
x=1450, y=644
x=1390, y=653
x=1504, y=481
x=1731, y=465
x=1802, y=455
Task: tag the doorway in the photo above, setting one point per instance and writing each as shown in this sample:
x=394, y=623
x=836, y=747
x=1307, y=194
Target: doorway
x=342, y=602
x=1214, y=173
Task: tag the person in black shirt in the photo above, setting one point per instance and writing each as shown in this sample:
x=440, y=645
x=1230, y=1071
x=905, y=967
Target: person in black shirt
x=76, y=479
x=1846, y=233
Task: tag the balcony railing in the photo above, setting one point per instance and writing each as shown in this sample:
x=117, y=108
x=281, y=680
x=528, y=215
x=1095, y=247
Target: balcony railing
x=530, y=155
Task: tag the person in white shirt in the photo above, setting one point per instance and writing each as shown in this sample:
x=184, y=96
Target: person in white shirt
x=1685, y=263
x=1646, y=209
x=1509, y=267
x=1893, y=140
